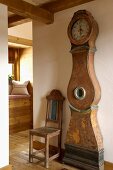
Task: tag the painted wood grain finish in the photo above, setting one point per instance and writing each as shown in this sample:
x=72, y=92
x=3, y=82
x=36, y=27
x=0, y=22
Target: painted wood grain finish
x=80, y=78
x=20, y=114
x=83, y=73
x=84, y=131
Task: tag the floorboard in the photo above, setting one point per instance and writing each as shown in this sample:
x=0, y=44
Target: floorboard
x=19, y=155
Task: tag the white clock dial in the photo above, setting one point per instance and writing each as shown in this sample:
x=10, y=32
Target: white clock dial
x=80, y=29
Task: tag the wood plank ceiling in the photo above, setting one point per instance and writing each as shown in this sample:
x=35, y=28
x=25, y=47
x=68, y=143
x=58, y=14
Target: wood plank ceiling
x=42, y=10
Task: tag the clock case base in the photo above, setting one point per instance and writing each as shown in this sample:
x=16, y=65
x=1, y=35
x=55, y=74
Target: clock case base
x=84, y=158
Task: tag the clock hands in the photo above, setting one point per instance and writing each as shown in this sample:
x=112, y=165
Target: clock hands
x=80, y=32
x=80, y=29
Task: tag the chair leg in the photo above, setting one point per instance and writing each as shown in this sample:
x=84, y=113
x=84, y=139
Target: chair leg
x=47, y=152
x=30, y=148
x=59, y=144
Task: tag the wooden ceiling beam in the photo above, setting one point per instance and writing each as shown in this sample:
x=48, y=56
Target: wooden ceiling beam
x=59, y=5
x=18, y=40
x=14, y=20
x=28, y=10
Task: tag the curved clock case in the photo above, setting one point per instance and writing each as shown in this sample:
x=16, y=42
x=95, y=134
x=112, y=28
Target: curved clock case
x=84, y=145
x=83, y=74
x=78, y=16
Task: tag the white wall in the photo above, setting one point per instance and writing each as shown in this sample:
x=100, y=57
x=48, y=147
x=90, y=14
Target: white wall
x=23, y=30
x=26, y=64
x=52, y=65
x=4, y=116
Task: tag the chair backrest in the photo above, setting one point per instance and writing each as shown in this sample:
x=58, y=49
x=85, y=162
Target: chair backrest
x=54, y=108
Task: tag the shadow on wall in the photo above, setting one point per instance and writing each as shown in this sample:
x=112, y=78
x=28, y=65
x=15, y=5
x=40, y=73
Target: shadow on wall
x=42, y=112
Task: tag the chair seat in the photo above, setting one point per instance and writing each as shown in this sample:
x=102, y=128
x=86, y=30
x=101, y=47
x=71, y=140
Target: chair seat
x=45, y=131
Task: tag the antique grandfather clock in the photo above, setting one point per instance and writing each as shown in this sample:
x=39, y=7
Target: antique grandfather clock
x=83, y=146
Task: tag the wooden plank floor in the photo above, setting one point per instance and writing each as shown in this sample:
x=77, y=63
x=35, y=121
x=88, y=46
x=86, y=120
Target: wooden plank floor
x=19, y=155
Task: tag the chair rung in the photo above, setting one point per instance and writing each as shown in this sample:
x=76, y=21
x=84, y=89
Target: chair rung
x=54, y=156
x=38, y=157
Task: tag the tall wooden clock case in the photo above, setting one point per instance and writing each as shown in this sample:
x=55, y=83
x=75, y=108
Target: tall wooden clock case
x=84, y=146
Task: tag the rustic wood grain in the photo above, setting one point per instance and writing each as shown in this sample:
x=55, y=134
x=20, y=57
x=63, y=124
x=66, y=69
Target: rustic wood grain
x=51, y=6
x=19, y=155
x=8, y=167
x=20, y=114
x=19, y=40
x=15, y=19
x=59, y=5
x=48, y=132
x=28, y=10
x=108, y=165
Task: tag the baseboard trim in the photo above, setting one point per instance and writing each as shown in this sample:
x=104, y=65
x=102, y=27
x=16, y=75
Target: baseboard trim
x=108, y=165
x=8, y=167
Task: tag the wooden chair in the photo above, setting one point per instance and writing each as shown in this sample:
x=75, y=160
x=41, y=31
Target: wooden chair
x=54, y=116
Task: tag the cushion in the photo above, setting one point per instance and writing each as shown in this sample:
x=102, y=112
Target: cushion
x=19, y=88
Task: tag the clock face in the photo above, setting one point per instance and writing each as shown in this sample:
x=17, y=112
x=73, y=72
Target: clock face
x=80, y=29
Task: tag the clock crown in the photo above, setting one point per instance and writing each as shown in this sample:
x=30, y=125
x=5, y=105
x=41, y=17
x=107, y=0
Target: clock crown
x=82, y=28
